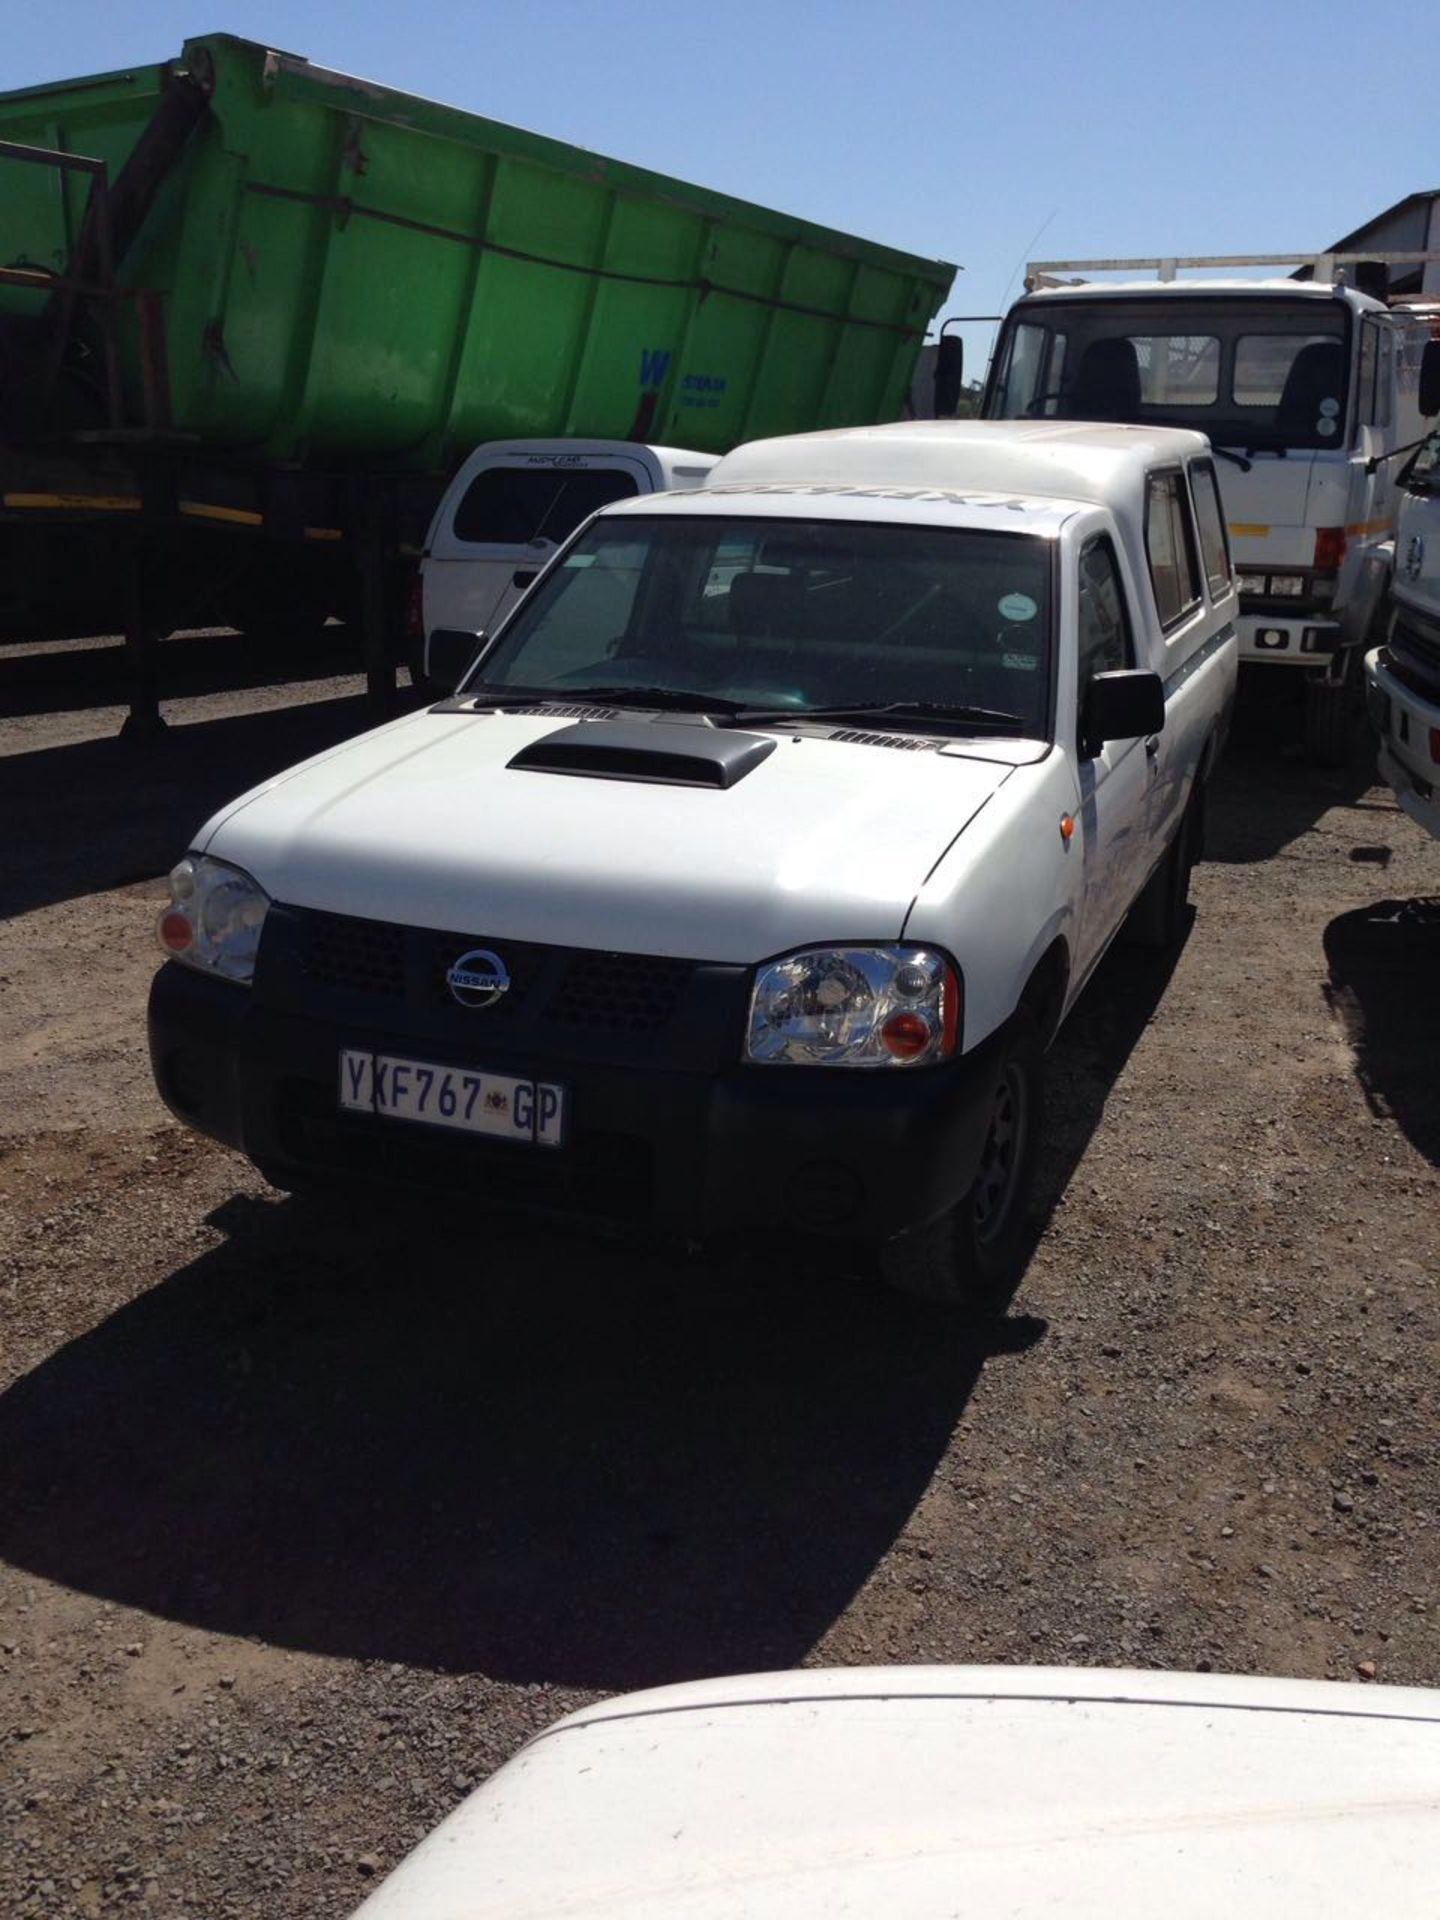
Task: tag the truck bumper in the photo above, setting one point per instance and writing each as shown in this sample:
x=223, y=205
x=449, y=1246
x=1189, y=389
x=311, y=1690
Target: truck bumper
x=1407, y=725
x=863, y=1155
x=1289, y=639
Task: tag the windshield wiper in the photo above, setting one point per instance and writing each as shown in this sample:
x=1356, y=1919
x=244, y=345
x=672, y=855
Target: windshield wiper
x=674, y=698
x=944, y=711
x=1240, y=460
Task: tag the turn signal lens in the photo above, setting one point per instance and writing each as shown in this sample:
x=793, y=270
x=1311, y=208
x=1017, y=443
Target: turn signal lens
x=1329, y=548
x=176, y=933
x=907, y=1035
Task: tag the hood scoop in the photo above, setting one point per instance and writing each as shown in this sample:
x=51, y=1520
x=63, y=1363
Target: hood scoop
x=665, y=754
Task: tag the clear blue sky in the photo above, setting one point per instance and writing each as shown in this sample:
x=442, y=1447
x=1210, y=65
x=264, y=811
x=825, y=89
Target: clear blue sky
x=953, y=130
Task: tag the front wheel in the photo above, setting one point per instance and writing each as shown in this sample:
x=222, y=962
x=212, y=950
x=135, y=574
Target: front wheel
x=971, y=1254
x=1330, y=712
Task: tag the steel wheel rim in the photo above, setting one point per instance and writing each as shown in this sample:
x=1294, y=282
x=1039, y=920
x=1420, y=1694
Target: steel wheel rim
x=993, y=1194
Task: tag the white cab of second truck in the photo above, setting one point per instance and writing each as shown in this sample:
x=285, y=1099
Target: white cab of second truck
x=1402, y=677
x=509, y=507
x=1306, y=389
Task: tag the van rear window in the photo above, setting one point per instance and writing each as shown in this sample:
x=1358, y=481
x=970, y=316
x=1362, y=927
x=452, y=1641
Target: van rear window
x=511, y=506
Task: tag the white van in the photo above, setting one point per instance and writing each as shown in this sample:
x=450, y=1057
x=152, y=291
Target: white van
x=512, y=504
x=747, y=875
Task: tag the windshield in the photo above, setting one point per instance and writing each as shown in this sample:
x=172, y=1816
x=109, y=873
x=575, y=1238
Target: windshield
x=1259, y=374
x=790, y=615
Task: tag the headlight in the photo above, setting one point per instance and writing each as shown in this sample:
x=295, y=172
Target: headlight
x=854, y=1007
x=214, y=918
x=1251, y=582
x=1287, y=583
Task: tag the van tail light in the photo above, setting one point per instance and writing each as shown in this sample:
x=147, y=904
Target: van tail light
x=414, y=614
x=1435, y=745
x=1329, y=549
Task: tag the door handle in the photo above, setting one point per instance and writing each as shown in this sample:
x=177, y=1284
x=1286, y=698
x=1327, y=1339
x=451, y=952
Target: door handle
x=1152, y=746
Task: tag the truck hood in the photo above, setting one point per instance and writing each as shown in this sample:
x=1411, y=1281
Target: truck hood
x=425, y=822
x=921, y=1792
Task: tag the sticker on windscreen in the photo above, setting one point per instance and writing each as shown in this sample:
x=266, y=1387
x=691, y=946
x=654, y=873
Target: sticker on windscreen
x=1329, y=408
x=1019, y=662
x=1324, y=427
x=581, y=559
x=1016, y=607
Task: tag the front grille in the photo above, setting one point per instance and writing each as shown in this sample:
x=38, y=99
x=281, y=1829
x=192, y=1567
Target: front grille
x=354, y=956
x=1419, y=651
x=580, y=989
x=619, y=992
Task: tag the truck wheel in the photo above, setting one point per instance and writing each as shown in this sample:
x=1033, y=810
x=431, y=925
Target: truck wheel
x=1329, y=719
x=970, y=1255
x=1160, y=916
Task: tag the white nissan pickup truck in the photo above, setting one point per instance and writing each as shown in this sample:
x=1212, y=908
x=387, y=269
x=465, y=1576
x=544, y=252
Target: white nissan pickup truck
x=747, y=874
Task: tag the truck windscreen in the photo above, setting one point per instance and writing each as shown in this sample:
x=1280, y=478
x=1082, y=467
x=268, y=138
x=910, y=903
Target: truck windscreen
x=793, y=614
x=1257, y=374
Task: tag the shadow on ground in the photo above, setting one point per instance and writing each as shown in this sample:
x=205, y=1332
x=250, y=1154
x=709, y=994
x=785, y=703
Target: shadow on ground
x=1266, y=794
x=429, y=1448
x=1384, y=962
x=104, y=813
x=482, y=1446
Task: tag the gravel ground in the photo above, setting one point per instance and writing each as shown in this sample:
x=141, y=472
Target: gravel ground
x=306, y=1521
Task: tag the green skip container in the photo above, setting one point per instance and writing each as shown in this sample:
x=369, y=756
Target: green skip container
x=310, y=269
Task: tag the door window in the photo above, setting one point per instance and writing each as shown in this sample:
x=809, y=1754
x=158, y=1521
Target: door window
x=1106, y=643
x=1170, y=547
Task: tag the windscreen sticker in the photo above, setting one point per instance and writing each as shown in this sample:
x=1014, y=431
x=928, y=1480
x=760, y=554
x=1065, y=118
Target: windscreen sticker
x=1324, y=427
x=581, y=559
x=1329, y=407
x=1016, y=607
x=1019, y=662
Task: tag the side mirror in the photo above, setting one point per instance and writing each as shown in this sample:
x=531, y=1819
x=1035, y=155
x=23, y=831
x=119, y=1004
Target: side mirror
x=1430, y=379
x=1121, y=706
x=949, y=375
x=448, y=653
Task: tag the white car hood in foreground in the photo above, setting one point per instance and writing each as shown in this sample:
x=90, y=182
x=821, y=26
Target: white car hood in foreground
x=919, y=1792
x=424, y=823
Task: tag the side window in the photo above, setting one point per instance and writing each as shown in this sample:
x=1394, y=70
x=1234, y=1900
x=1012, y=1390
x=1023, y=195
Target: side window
x=1210, y=519
x=1105, y=640
x=1170, y=546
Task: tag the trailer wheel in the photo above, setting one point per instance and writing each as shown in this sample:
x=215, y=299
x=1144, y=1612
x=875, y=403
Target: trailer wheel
x=969, y=1257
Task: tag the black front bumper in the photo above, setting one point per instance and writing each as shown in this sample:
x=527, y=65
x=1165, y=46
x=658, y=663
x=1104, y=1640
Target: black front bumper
x=676, y=1138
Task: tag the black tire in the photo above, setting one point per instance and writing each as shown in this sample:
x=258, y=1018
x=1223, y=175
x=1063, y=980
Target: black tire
x=1160, y=917
x=1328, y=720
x=971, y=1255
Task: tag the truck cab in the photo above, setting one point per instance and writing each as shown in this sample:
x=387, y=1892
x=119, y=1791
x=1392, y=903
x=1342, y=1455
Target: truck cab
x=1305, y=389
x=1402, y=677
x=745, y=877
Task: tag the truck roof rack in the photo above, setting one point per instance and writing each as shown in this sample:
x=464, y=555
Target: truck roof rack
x=1323, y=266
